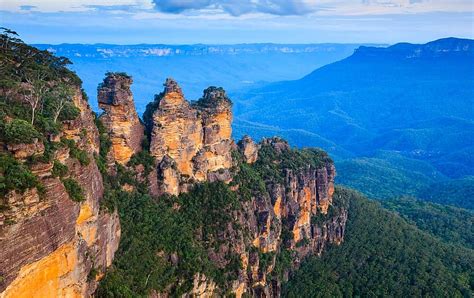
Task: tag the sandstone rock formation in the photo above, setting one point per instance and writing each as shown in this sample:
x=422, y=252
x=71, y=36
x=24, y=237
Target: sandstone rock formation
x=286, y=213
x=23, y=151
x=288, y=216
x=190, y=142
x=52, y=246
x=49, y=244
x=120, y=117
x=249, y=149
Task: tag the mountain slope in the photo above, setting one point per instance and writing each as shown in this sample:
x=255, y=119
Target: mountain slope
x=398, y=98
x=384, y=255
x=457, y=192
x=388, y=174
x=451, y=224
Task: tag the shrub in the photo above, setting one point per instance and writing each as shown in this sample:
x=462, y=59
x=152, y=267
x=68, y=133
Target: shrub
x=59, y=169
x=69, y=112
x=80, y=155
x=75, y=191
x=15, y=175
x=20, y=131
x=144, y=158
x=46, y=125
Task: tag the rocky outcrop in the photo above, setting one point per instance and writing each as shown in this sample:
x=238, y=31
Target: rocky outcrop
x=49, y=244
x=23, y=151
x=296, y=215
x=195, y=139
x=120, y=118
x=249, y=149
x=292, y=215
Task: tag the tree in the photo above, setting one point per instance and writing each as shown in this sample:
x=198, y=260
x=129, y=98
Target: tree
x=35, y=90
x=62, y=96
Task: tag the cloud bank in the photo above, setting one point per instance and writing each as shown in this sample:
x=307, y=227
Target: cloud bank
x=238, y=7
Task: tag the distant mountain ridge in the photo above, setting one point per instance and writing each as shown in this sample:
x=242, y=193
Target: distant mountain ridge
x=196, y=66
x=163, y=50
x=431, y=49
x=414, y=100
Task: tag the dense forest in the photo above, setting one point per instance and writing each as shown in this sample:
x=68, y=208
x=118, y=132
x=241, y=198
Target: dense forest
x=451, y=224
x=383, y=255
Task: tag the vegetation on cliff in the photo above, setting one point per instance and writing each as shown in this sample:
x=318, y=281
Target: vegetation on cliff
x=168, y=240
x=36, y=90
x=384, y=255
x=14, y=176
x=165, y=241
x=55, y=240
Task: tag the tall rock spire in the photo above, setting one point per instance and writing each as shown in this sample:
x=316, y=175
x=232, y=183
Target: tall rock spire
x=120, y=117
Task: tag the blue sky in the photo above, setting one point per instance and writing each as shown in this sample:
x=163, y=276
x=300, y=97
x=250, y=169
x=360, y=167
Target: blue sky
x=237, y=21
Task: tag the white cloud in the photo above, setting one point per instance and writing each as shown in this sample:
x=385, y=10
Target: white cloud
x=69, y=5
x=238, y=8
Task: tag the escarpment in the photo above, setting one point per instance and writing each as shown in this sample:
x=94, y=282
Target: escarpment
x=287, y=215
x=50, y=244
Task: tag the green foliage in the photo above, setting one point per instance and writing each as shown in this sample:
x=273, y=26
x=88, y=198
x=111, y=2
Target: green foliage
x=75, y=191
x=142, y=158
x=105, y=145
x=69, y=112
x=247, y=178
x=15, y=176
x=272, y=164
x=458, y=192
x=387, y=175
x=46, y=125
x=74, y=151
x=36, y=90
x=153, y=230
x=13, y=109
x=451, y=224
x=265, y=259
x=118, y=73
x=383, y=255
x=19, y=59
x=283, y=263
x=59, y=169
x=20, y=131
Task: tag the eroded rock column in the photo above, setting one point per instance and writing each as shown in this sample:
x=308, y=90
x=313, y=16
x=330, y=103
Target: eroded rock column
x=120, y=117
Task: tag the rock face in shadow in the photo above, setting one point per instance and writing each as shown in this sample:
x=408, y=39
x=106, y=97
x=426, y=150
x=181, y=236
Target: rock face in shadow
x=191, y=142
x=50, y=244
x=120, y=117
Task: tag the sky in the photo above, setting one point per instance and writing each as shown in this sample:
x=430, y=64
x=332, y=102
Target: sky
x=237, y=21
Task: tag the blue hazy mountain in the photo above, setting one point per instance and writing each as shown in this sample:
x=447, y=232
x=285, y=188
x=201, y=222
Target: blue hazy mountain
x=196, y=67
x=416, y=101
